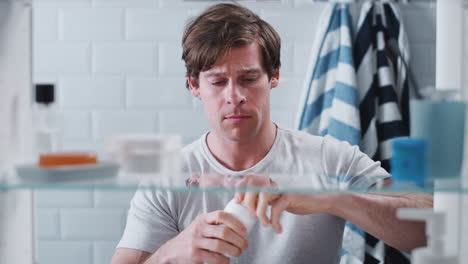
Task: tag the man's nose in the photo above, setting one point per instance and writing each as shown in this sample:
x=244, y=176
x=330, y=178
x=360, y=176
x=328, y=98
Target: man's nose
x=235, y=94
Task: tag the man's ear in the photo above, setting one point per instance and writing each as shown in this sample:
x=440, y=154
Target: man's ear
x=193, y=85
x=275, y=79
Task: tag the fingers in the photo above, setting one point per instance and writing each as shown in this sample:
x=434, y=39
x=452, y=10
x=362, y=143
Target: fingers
x=250, y=201
x=277, y=207
x=265, y=199
x=223, y=233
x=206, y=256
x=227, y=234
x=219, y=246
x=221, y=217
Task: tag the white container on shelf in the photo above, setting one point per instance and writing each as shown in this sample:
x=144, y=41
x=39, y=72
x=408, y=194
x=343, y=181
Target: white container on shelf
x=436, y=232
x=145, y=153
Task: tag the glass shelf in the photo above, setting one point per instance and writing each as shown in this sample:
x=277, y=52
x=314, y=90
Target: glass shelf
x=114, y=179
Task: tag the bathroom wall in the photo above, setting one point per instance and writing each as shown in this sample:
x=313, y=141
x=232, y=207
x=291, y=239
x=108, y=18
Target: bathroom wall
x=16, y=239
x=117, y=67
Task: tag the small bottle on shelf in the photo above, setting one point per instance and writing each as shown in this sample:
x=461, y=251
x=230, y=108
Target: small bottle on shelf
x=47, y=120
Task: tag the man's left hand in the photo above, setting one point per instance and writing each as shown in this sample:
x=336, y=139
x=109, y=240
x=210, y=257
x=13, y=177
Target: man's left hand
x=296, y=203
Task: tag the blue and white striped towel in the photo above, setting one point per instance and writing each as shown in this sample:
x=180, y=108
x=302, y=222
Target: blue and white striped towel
x=330, y=103
x=383, y=85
x=384, y=95
x=330, y=99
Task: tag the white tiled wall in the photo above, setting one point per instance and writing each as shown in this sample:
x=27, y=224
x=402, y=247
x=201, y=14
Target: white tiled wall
x=117, y=65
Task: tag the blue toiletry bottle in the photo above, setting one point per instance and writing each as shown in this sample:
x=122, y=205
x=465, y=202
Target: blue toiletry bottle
x=408, y=163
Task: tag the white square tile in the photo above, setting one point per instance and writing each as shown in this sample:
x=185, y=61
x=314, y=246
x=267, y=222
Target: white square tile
x=126, y=3
x=61, y=3
x=92, y=92
x=92, y=224
x=94, y=24
x=106, y=123
x=59, y=252
x=170, y=60
x=156, y=24
x=48, y=225
x=45, y=21
x=76, y=125
x=187, y=123
x=158, y=93
x=60, y=57
x=63, y=199
x=124, y=58
x=103, y=251
x=113, y=198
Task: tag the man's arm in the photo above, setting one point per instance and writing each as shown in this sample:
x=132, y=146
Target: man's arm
x=376, y=214
x=208, y=239
x=129, y=256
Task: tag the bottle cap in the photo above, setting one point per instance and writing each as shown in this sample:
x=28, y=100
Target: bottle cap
x=45, y=93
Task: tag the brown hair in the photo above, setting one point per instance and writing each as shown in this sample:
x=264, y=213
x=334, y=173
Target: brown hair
x=224, y=26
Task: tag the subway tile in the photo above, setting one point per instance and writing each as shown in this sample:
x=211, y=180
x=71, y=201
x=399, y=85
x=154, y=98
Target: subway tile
x=308, y=3
x=120, y=57
x=157, y=93
x=81, y=145
x=63, y=198
x=288, y=93
x=287, y=58
x=270, y=4
x=420, y=24
x=76, y=125
x=184, y=4
x=48, y=224
x=96, y=24
x=59, y=252
x=91, y=92
x=103, y=251
x=45, y=21
x=284, y=117
x=187, y=123
x=126, y=3
x=302, y=58
x=106, y=123
x=294, y=24
x=61, y=3
x=113, y=199
x=92, y=224
x=170, y=60
x=152, y=24
x=45, y=77
x=53, y=57
x=422, y=59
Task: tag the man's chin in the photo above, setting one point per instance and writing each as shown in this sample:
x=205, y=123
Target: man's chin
x=240, y=134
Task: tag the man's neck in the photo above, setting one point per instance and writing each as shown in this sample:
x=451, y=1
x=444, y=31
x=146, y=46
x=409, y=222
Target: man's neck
x=240, y=156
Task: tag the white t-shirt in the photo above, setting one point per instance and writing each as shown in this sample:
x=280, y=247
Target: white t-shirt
x=296, y=159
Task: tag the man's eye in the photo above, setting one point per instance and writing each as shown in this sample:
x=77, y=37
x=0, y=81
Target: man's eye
x=250, y=79
x=218, y=83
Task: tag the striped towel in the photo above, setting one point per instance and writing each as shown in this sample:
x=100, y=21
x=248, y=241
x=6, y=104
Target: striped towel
x=383, y=93
x=331, y=100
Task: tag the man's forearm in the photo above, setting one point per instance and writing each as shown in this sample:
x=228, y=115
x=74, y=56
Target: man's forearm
x=376, y=214
x=157, y=257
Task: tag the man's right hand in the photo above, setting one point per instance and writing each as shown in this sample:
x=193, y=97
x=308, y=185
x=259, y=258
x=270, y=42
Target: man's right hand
x=207, y=239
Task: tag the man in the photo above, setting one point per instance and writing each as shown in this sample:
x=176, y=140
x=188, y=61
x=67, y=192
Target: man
x=233, y=60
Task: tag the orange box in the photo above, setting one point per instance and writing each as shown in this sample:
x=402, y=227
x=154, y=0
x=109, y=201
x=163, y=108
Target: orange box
x=66, y=159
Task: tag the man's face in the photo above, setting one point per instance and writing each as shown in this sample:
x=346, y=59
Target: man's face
x=236, y=93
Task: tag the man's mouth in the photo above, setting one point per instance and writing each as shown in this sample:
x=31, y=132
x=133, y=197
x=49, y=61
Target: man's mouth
x=237, y=116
